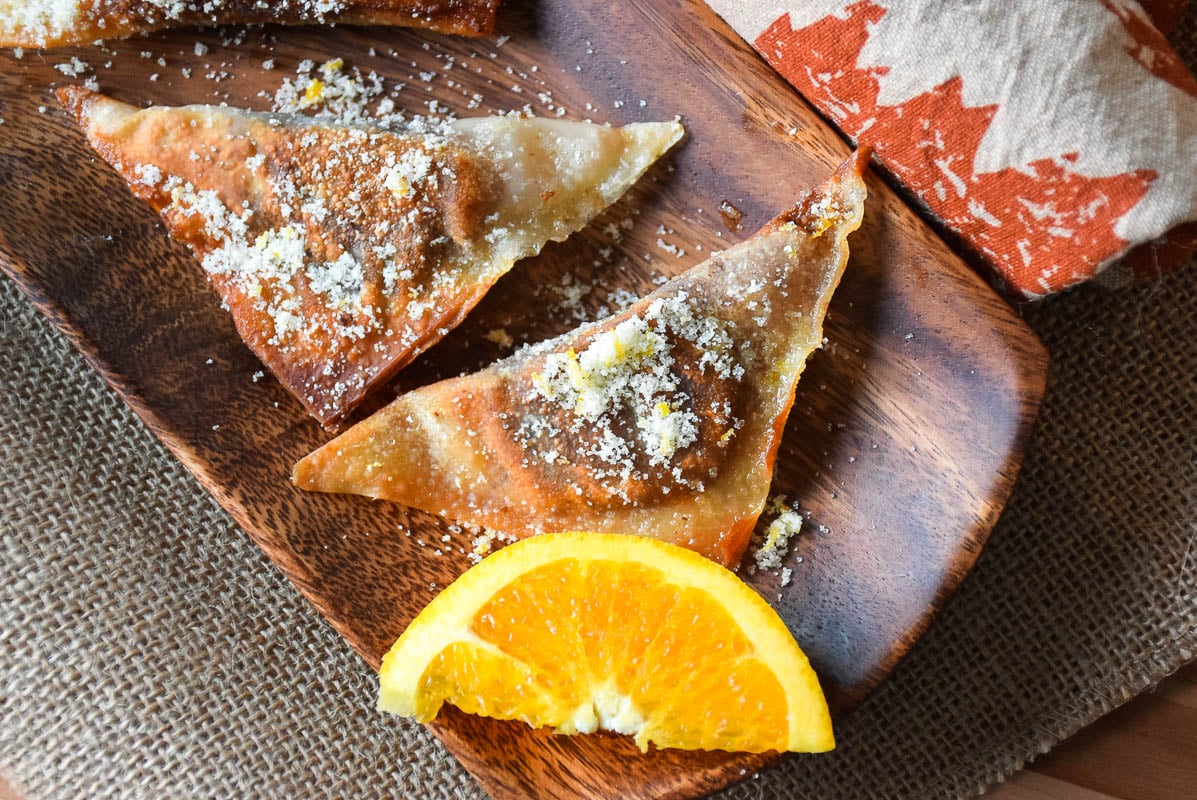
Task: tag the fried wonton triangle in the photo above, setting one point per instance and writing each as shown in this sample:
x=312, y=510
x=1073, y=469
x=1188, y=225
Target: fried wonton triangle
x=55, y=23
x=343, y=252
x=663, y=420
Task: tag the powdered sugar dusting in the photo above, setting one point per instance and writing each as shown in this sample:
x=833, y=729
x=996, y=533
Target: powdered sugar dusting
x=627, y=395
x=40, y=21
x=771, y=546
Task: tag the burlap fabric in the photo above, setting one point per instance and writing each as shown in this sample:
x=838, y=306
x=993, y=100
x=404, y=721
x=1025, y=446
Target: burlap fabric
x=148, y=649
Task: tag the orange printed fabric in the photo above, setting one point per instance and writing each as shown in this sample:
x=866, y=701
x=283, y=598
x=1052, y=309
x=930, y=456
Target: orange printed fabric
x=1051, y=137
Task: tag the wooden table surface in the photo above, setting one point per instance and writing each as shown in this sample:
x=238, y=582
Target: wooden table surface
x=1145, y=750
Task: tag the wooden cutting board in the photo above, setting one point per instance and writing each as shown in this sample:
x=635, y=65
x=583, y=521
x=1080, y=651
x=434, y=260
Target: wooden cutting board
x=907, y=432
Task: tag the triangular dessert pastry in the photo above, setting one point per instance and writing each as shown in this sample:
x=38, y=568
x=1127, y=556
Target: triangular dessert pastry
x=55, y=23
x=663, y=420
x=344, y=252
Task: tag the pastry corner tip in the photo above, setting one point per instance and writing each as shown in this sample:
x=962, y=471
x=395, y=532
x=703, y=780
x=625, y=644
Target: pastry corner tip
x=846, y=191
x=854, y=166
x=679, y=131
x=302, y=474
x=657, y=136
x=96, y=113
x=75, y=99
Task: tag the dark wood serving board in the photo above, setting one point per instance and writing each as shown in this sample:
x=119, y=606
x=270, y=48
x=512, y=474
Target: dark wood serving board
x=908, y=428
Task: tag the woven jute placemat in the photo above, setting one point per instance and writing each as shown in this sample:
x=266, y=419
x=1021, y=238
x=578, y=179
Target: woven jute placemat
x=148, y=649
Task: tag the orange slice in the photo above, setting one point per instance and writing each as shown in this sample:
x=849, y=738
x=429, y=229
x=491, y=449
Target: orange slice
x=587, y=631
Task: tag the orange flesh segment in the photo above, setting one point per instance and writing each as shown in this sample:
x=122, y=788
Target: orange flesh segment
x=575, y=632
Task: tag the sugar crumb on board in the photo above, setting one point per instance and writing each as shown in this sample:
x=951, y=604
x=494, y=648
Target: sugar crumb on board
x=501, y=337
x=771, y=544
x=484, y=542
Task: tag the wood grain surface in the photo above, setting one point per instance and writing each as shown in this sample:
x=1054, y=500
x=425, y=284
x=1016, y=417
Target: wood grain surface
x=1145, y=750
x=907, y=431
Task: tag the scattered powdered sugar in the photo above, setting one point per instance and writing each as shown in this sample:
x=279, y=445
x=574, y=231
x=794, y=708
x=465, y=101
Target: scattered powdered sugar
x=274, y=257
x=339, y=281
x=771, y=547
x=631, y=368
x=501, y=337
x=41, y=20
x=261, y=260
x=620, y=299
x=571, y=293
x=172, y=8
x=46, y=20
x=148, y=174
x=672, y=249
x=485, y=542
x=413, y=168
x=316, y=10
x=629, y=364
x=73, y=68
x=333, y=95
x=668, y=247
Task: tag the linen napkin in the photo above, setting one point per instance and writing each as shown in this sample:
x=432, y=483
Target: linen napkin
x=1050, y=137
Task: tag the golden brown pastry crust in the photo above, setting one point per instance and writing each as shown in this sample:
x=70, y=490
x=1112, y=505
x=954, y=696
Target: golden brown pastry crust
x=397, y=239
x=663, y=420
x=109, y=19
x=343, y=253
